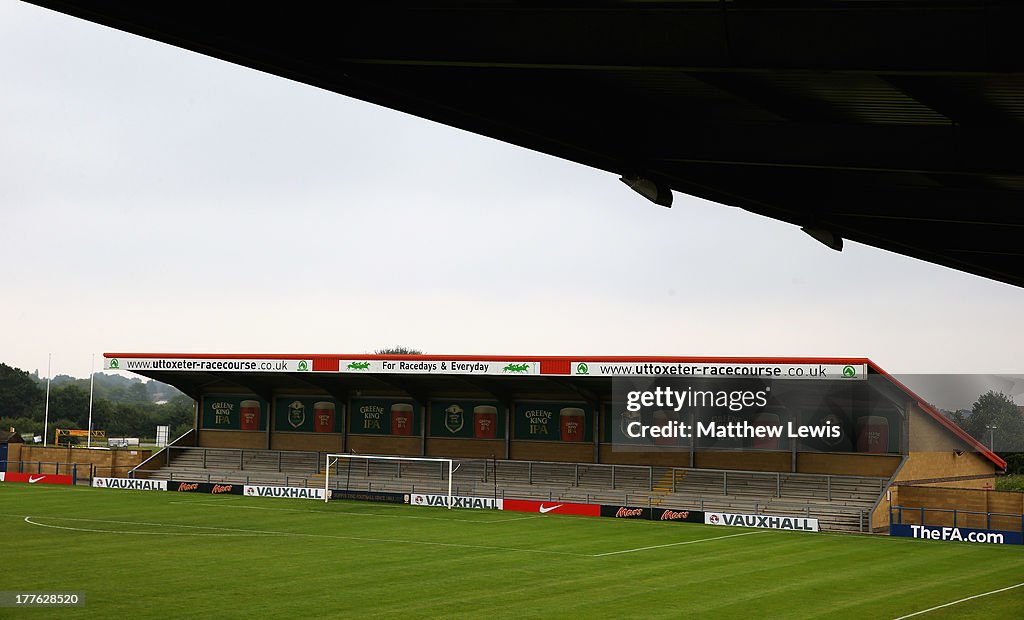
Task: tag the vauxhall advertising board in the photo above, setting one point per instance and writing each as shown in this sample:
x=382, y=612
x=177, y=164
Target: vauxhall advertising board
x=477, y=503
x=131, y=484
x=771, y=522
x=253, y=490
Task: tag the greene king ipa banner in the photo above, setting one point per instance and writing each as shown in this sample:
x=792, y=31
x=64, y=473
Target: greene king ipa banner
x=476, y=419
x=384, y=416
x=553, y=421
x=307, y=414
x=234, y=412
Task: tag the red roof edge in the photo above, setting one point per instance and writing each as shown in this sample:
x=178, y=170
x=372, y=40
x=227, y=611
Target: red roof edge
x=943, y=420
x=505, y=358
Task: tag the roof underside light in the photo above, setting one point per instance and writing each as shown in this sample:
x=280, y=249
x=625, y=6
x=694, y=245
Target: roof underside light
x=658, y=193
x=826, y=237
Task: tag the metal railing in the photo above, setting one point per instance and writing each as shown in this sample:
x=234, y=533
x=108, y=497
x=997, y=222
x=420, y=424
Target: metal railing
x=577, y=474
x=919, y=515
x=755, y=491
x=193, y=476
x=77, y=471
x=248, y=458
x=165, y=453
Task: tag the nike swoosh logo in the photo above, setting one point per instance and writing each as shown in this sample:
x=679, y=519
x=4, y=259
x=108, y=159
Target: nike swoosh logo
x=544, y=510
x=32, y=480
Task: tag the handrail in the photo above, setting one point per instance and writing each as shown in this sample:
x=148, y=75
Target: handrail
x=70, y=466
x=770, y=475
x=956, y=512
x=885, y=487
x=166, y=452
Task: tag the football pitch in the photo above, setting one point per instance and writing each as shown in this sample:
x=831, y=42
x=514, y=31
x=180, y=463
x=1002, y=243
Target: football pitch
x=145, y=554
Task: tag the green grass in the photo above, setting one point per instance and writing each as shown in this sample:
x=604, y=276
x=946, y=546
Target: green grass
x=164, y=555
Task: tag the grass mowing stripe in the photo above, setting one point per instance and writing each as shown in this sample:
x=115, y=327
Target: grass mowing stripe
x=217, y=504
x=241, y=531
x=311, y=566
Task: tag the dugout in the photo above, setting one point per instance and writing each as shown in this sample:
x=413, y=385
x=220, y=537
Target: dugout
x=569, y=409
x=9, y=439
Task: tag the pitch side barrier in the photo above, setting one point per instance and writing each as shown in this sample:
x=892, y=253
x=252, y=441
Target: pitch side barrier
x=370, y=496
x=652, y=514
x=130, y=484
x=911, y=523
x=770, y=522
x=252, y=490
x=615, y=511
x=10, y=476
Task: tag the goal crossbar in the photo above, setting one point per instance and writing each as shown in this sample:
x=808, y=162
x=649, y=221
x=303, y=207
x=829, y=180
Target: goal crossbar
x=333, y=458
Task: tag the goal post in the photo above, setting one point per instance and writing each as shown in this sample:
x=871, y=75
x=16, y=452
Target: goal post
x=447, y=466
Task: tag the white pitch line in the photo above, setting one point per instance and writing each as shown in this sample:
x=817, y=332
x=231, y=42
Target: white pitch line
x=685, y=542
x=95, y=531
x=331, y=536
x=217, y=504
x=924, y=611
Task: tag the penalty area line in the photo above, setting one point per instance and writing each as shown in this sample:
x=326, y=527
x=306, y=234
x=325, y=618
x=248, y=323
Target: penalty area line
x=676, y=544
x=924, y=611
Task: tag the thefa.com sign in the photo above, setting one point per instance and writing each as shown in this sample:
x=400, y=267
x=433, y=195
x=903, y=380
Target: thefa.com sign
x=957, y=534
x=770, y=522
x=478, y=503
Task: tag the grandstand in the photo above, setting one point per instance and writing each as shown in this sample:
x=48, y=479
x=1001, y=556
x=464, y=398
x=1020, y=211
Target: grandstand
x=841, y=503
x=552, y=429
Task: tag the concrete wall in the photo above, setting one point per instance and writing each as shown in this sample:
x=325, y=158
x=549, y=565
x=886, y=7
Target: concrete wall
x=754, y=461
x=937, y=457
x=971, y=500
x=466, y=448
x=877, y=465
x=552, y=451
x=319, y=442
x=255, y=440
x=109, y=463
x=943, y=471
x=386, y=445
x=642, y=455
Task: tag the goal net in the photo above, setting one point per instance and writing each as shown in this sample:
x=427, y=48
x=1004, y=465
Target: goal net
x=347, y=470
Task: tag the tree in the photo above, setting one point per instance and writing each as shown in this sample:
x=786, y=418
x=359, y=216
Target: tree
x=20, y=397
x=398, y=351
x=998, y=410
x=71, y=402
x=22, y=425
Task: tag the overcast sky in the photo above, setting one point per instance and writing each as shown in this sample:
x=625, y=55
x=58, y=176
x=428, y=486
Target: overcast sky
x=156, y=200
